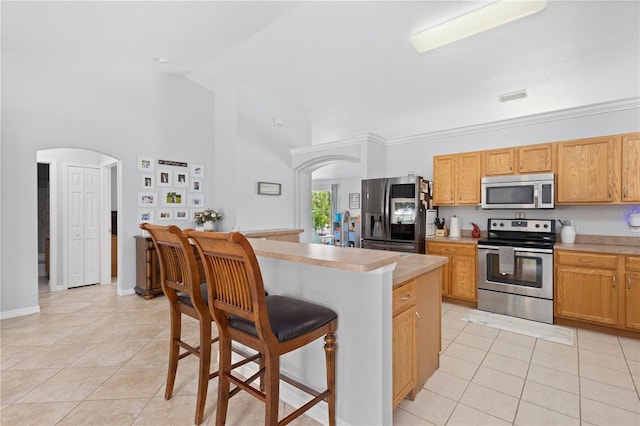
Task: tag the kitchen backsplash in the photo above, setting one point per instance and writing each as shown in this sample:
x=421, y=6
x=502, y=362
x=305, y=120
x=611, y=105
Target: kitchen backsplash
x=589, y=220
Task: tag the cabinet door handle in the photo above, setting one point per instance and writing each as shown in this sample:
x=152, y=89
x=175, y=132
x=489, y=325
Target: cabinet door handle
x=629, y=283
x=419, y=318
x=585, y=260
x=510, y=166
x=610, y=192
x=405, y=297
x=614, y=281
x=450, y=249
x=624, y=192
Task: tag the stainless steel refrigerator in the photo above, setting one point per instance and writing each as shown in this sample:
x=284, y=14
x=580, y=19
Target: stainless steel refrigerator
x=394, y=213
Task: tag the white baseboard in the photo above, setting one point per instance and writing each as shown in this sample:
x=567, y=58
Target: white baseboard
x=20, y=312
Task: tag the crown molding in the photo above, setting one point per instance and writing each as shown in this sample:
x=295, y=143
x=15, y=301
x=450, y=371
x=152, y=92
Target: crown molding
x=528, y=120
x=322, y=147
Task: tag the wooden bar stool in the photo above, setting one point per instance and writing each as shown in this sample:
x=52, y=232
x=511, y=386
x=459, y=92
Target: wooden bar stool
x=181, y=284
x=272, y=325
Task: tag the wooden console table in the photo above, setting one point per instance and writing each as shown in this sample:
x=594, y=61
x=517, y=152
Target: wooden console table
x=147, y=268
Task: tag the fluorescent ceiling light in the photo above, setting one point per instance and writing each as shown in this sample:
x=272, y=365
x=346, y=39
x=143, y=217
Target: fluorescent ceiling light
x=486, y=18
x=507, y=97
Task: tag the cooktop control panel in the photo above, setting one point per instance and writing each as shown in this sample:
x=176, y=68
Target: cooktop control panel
x=522, y=225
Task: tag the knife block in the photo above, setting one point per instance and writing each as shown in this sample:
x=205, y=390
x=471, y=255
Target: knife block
x=442, y=232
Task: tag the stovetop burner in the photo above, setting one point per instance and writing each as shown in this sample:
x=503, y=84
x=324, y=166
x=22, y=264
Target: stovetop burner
x=521, y=233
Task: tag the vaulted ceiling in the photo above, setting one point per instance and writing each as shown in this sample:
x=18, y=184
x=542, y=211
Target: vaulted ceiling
x=348, y=68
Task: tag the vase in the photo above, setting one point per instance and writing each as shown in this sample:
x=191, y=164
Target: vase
x=210, y=225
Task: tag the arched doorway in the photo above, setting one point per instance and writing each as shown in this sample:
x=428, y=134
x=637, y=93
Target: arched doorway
x=53, y=222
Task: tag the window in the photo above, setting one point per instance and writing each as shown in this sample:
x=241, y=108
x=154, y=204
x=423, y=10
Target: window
x=321, y=216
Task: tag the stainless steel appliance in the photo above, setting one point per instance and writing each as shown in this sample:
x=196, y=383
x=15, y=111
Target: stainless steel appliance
x=393, y=213
x=518, y=192
x=515, y=268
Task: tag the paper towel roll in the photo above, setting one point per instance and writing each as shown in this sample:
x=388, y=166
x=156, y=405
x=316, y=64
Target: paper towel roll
x=454, y=227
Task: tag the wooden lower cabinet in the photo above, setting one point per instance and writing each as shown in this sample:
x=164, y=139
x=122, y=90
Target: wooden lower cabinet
x=459, y=276
x=404, y=340
x=416, y=334
x=597, y=289
x=632, y=292
x=587, y=294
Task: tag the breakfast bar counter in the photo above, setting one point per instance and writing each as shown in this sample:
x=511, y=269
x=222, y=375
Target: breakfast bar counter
x=359, y=285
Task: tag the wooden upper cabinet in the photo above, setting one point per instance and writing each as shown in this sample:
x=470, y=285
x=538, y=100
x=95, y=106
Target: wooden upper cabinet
x=519, y=160
x=468, y=178
x=631, y=167
x=587, y=170
x=444, y=179
x=456, y=179
x=499, y=162
x=535, y=158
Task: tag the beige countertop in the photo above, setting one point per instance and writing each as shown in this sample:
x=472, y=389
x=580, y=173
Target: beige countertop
x=259, y=233
x=351, y=259
x=466, y=240
x=600, y=248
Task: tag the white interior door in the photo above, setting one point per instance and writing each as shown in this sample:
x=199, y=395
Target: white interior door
x=83, y=201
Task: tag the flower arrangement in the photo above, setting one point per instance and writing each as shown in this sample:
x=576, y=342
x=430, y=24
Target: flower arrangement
x=208, y=215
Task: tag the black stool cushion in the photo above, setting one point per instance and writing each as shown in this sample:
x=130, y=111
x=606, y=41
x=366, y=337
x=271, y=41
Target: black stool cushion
x=289, y=318
x=184, y=297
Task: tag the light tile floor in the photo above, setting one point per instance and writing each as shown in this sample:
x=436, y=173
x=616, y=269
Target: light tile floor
x=91, y=357
x=494, y=377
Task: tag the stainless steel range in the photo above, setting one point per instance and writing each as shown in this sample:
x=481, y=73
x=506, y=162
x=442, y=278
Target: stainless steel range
x=515, y=268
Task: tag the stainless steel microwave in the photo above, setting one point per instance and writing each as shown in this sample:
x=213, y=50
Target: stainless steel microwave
x=518, y=192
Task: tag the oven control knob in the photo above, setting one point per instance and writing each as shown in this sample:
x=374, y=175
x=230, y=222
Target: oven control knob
x=546, y=225
x=538, y=225
x=501, y=223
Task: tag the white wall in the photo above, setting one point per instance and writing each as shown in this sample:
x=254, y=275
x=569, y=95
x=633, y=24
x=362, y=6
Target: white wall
x=48, y=103
x=251, y=147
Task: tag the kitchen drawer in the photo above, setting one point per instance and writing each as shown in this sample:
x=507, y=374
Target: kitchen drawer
x=633, y=263
x=404, y=296
x=607, y=261
x=452, y=249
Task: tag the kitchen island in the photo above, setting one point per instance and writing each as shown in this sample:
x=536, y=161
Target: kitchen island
x=359, y=285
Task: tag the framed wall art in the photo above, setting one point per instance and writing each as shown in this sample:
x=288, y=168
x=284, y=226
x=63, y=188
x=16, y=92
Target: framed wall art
x=180, y=179
x=147, y=199
x=145, y=164
x=196, y=200
x=145, y=215
x=269, y=188
x=147, y=181
x=180, y=214
x=197, y=170
x=165, y=214
x=174, y=197
x=354, y=200
x=196, y=185
x=164, y=177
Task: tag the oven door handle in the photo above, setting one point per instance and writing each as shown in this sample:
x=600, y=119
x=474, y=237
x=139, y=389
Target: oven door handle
x=517, y=249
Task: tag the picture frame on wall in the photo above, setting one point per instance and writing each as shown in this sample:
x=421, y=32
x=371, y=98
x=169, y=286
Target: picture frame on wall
x=269, y=188
x=181, y=214
x=181, y=179
x=147, y=199
x=164, y=177
x=145, y=164
x=197, y=170
x=147, y=181
x=193, y=212
x=174, y=197
x=145, y=215
x=165, y=214
x=354, y=200
x=196, y=185
x=196, y=200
